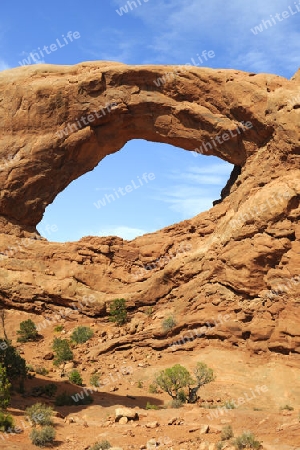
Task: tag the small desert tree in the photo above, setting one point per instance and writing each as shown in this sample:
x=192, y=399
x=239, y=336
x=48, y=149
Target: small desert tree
x=173, y=380
x=4, y=388
x=10, y=358
x=118, y=312
x=81, y=334
x=63, y=352
x=27, y=331
x=203, y=375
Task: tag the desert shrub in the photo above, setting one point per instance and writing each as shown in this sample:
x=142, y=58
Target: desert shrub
x=6, y=422
x=140, y=384
x=81, y=334
x=41, y=370
x=246, y=440
x=49, y=389
x=10, y=358
x=153, y=388
x=58, y=328
x=4, y=388
x=95, y=380
x=75, y=377
x=149, y=406
x=226, y=433
x=220, y=445
x=63, y=352
x=103, y=445
x=168, y=323
x=287, y=407
x=27, y=331
x=149, y=311
x=39, y=414
x=229, y=405
x=176, y=403
x=118, y=311
x=65, y=399
x=42, y=437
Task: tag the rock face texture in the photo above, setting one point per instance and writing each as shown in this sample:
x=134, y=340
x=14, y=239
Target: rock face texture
x=241, y=258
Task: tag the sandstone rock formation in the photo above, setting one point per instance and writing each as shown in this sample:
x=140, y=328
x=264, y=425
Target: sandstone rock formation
x=58, y=122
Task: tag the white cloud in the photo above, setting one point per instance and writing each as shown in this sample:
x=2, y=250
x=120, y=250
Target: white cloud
x=179, y=26
x=124, y=232
x=198, y=188
x=187, y=200
x=3, y=65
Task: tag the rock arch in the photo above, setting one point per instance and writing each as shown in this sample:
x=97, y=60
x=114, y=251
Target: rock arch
x=58, y=122
x=53, y=129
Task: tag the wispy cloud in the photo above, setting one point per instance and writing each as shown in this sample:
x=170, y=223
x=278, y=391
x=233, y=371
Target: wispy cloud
x=214, y=174
x=119, y=47
x=3, y=65
x=225, y=28
x=124, y=232
x=186, y=200
x=198, y=187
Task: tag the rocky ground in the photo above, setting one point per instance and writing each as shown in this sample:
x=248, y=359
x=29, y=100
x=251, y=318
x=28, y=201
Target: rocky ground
x=266, y=383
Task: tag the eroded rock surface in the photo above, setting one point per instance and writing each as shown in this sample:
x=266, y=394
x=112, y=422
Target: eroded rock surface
x=241, y=258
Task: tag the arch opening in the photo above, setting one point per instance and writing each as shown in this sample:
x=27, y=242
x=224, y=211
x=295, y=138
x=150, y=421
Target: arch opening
x=142, y=188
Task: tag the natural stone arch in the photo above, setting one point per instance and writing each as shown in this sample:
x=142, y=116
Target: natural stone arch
x=189, y=110
x=240, y=250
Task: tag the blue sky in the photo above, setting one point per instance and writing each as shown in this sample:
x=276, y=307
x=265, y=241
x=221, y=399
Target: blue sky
x=153, y=32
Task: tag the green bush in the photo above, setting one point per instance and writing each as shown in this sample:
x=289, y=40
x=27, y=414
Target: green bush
x=63, y=352
x=41, y=370
x=27, y=331
x=176, y=403
x=140, y=384
x=10, y=358
x=65, y=399
x=49, y=389
x=75, y=377
x=118, y=311
x=153, y=388
x=246, y=440
x=4, y=388
x=173, y=379
x=58, y=328
x=43, y=436
x=39, y=414
x=287, y=407
x=226, y=433
x=81, y=335
x=95, y=380
x=103, y=445
x=149, y=311
x=229, y=405
x=6, y=422
x=149, y=406
x=168, y=323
